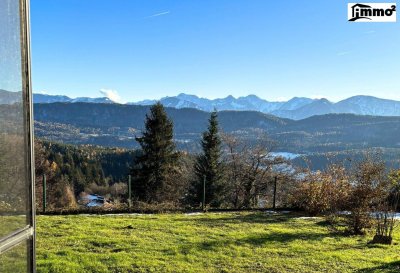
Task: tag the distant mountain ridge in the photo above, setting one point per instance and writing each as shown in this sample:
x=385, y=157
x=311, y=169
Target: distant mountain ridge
x=248, y=103
x=296, y=108
x=7, y=97
x=43, y=98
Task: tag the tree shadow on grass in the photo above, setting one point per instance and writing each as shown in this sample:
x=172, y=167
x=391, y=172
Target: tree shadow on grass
x=393, y=267
x=239, y=218
x=254, y=240
x=283, y=237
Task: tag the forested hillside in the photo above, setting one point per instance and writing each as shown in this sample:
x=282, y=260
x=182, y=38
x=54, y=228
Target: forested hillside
x=75, y=169
x=116, y=125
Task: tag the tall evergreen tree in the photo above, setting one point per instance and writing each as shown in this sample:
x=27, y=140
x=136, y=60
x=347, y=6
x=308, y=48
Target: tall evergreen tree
x=209, y=167
x=157, y=160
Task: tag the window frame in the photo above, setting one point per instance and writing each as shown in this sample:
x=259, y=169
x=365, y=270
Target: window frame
x=26, y=234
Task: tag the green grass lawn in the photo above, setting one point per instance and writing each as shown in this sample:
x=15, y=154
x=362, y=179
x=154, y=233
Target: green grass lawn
x=213, y=242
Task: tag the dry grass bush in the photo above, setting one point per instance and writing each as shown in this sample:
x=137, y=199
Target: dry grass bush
x=385, y=220
x=114, y=191
x=360, y=190
x=65, y=198
x=322, y=192
x=370, y=188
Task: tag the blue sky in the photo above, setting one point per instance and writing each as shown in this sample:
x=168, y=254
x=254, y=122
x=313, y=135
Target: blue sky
x=146, y=49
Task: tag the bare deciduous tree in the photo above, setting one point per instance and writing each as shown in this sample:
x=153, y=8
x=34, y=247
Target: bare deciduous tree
x=249, y=168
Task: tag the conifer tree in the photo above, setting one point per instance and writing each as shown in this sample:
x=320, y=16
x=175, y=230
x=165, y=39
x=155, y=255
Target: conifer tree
x=157, y=160
x=209, y=167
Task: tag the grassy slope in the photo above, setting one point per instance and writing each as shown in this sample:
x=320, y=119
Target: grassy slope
x=228, y=242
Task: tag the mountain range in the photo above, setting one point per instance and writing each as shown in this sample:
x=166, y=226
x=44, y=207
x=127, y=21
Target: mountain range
x=296, y=108
x=7, y=97
x=43, y=98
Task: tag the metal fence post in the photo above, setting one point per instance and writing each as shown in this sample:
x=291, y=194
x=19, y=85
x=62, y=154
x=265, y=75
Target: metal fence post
x=204, y=194
x=274, y=202
x=130, y=190
x=44, y=193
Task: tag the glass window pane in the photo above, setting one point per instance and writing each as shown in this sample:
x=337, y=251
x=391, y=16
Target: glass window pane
x=15, y=260
x=13, y=152
x=10, y=223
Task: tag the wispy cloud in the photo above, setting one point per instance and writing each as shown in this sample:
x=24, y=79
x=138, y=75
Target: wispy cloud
x=111, y=94
x=321, y=96
x=343, y=53
x=158, y=14
x=370, y=32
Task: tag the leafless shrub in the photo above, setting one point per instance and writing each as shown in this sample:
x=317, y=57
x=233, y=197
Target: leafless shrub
x=323, y=192
x=369, y=189
x=249, y=169
x=385, y=217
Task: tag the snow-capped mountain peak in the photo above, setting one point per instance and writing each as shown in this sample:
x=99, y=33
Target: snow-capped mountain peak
x=295, y=108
